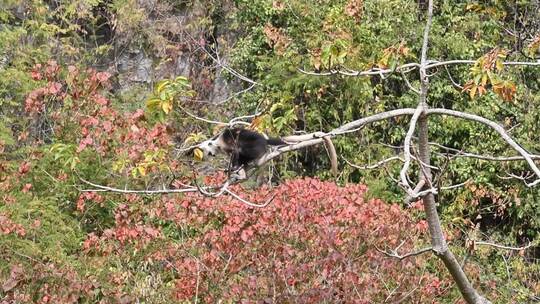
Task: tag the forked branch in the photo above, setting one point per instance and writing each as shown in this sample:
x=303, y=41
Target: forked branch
x=393, y=253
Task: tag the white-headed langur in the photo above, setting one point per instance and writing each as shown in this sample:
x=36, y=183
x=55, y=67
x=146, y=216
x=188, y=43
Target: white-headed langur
x=245, y=147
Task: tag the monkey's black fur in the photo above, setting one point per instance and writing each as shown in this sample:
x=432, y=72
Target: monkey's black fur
x=244, y=146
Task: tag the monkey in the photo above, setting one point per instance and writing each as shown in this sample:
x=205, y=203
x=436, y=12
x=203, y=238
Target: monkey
x=243, y=146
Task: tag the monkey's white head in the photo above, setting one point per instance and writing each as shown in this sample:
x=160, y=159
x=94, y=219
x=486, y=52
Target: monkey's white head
x=209, y=147
x=213, y=146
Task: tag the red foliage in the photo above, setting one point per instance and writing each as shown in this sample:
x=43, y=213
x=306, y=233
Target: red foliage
x=315, y=242
x=88, y=196
x=129, y=229
x=7, y=226
x=76, y=100
x=69, y=287
x=24, y=168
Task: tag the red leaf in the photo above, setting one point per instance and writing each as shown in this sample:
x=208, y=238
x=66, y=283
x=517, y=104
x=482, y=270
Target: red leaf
x=26, y=188
x=100, y=100
x=24, y=168
x=14, y=278
x=103, y=76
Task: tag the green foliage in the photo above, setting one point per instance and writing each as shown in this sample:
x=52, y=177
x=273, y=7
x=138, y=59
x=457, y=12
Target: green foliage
x=66, y=154
x=166, y=93
x=333, y=35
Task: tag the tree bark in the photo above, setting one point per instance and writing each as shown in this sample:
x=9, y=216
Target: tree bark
x=438, y=243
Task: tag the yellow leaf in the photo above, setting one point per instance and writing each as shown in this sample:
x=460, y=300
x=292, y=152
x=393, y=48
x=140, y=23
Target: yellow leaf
x=256, y=122
x=193, y=137
x=472, y=92
x=484, y=79
x=161, y=85
x=142, y=171
x=198, y=154
x=499, y=65
x=481, y=90
x=166, y=106
x=153, y=103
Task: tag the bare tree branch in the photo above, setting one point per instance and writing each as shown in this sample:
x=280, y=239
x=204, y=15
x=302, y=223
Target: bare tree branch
x=461, y=153
x=408, y=67
x=455, y=186
x=407, y=152
x=502, y=246
x=371, y=72
x=202, y=190
x=434, y=64
x=376, y=165
x=502, y=132
x=316, y=138
x=101, y=188
x=394, y=253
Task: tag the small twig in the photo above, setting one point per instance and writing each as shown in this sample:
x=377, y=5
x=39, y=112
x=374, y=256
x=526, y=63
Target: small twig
x=405, y=297
x=235, y=94
x=201, y=118
x=394, y=254
x=374, y=166
x=456, y=185
x=226, y=265
x=503, y=246
x=409, y=84
x=457, y=85
x=197, y=284
x=461, y=153
x=507, y=267
x=249, y=203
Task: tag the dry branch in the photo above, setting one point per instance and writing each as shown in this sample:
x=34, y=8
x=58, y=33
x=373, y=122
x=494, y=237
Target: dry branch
x=502, y=132
x=394, y=252
x=503, y=246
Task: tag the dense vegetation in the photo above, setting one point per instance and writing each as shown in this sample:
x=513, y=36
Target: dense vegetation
x=82, y=98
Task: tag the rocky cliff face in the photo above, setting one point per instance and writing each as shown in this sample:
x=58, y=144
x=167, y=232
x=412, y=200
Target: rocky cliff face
x=191, y=36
